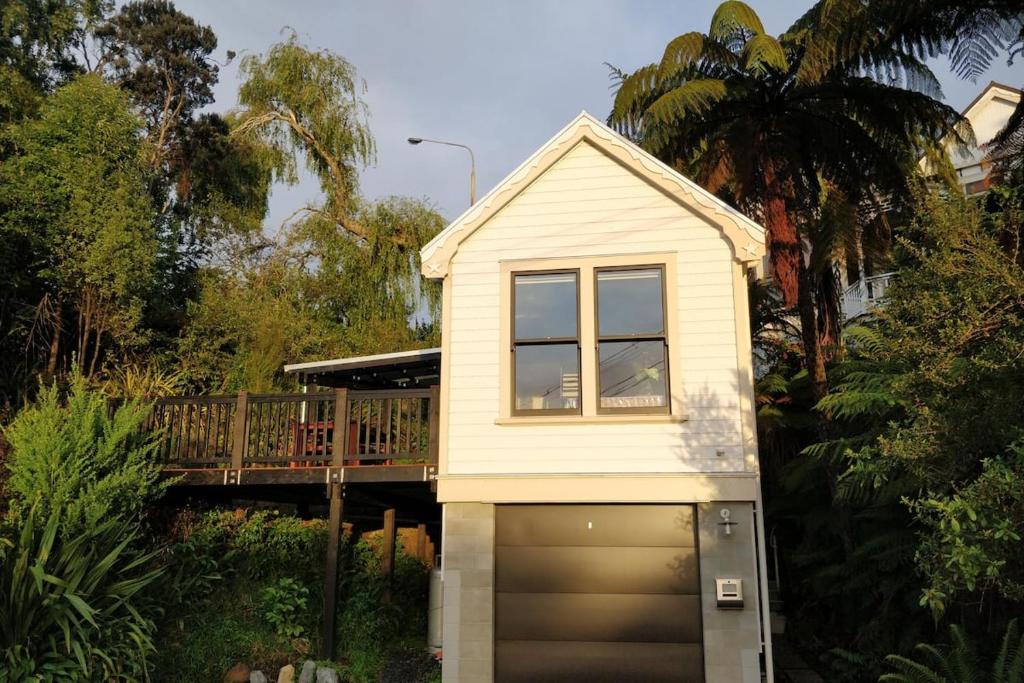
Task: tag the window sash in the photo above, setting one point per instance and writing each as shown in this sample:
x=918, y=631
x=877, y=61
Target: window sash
x=526, y=342
x=643, y=336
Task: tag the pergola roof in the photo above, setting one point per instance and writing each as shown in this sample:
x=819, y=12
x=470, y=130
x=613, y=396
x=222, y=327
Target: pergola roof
x=410, y=369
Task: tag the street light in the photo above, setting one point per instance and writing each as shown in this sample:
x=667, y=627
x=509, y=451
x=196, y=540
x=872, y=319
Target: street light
x=472, y=163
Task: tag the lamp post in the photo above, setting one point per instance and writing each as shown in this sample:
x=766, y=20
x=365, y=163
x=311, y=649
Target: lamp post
x=472, y=163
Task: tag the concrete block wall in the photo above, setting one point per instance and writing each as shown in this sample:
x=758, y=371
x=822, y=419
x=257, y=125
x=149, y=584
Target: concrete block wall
x=468, y=615
x=732, y=638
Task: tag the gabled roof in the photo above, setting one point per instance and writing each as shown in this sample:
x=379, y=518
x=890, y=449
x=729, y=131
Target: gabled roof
x=746, y=237
x=991, y=91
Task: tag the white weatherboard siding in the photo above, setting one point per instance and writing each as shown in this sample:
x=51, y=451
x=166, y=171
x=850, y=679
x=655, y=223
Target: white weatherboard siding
x=587, y=204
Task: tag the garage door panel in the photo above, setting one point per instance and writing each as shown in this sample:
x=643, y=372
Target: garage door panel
x=568, y=569
x=600, y=662
x=599, y=617
x=597, y=525
x=597, y=593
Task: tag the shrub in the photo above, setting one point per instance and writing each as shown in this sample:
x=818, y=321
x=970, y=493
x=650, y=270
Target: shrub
x=218, y=604
x=960, y=661
x=72, y=567
x=66, y=603
x=283, y=604
x=74, y=455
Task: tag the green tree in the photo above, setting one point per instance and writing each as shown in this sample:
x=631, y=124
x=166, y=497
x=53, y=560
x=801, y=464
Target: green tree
x=161, y=57
x=313, y=296
x=306, y=104
x=91, y=253
x=73, y=455
x=343, y=275
x=780, y=129
x=39, y=40
x=931, y=401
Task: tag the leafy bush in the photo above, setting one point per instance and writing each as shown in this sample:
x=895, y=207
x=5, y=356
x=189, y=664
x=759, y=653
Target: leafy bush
x=66, y=604
x=75, y=456
x=372, y=628
x=283, y=602
x=72, y=563
x=243, y=583
x=221, y=565
x=960, y=661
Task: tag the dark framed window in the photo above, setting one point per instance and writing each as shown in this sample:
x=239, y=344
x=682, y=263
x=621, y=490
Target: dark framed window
x=546, y=343
x=632, y=346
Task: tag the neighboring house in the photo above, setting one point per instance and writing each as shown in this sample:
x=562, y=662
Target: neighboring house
x=863, y=283
x=598, y=465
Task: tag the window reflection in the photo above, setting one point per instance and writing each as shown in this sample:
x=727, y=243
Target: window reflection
x=546, y=354
x=545, y=306
x=547, y=377
x=632, y=374
x=632, y=351
x=630, y=302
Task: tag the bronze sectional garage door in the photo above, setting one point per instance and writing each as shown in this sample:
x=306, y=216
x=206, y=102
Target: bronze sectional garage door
x=597, y=593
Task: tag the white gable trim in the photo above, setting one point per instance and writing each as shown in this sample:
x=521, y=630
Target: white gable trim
x=746, y=237
x=992, y=92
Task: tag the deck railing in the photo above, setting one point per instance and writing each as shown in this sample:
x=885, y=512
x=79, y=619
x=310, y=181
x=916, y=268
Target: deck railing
x=863, y=295
x=341, y=427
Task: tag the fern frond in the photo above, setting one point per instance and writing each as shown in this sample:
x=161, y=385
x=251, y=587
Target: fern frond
x=682, y=51
x=909, y=671
x=1011, y=652
x=763, y=53
x=693, y=98
x=732, y=16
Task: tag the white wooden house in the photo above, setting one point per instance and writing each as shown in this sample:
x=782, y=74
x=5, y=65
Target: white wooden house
x=864, y=286
x=598, y=465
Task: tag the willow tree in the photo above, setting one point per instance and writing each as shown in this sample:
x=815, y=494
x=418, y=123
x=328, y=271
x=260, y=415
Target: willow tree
x=306, y=107
x=741, y=112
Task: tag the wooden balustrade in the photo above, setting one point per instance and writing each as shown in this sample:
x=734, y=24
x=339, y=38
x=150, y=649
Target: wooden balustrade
x=341, y=427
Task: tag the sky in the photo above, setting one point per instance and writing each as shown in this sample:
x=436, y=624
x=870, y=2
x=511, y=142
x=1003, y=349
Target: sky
x=499, y=77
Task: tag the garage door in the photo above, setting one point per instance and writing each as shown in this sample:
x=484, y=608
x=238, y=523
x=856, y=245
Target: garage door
x=597, y=593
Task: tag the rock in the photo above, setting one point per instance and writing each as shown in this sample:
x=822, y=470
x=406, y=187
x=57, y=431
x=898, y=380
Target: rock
x=308, y=674
x=257, y=677
x=239, y=673
x=325, y=675
x=286, y=674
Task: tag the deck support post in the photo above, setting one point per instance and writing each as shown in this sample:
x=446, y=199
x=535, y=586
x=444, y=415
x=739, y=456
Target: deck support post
x=421, y=542
x=388, y=562
x=239, y=433
x=339, y=445
x=434, y=425
x=334, y=531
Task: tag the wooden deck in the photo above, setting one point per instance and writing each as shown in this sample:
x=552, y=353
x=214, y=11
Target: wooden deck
x=340, y=436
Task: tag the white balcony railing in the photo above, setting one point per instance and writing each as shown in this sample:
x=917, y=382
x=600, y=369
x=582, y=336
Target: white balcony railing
x=863, y=295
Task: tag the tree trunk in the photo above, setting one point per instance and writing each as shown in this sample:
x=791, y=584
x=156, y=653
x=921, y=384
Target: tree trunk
x=790, y=272
x=783, y=243
x=813, y=357
x=54, y=355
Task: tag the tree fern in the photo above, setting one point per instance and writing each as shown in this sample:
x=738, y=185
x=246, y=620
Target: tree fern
x=756, y=119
